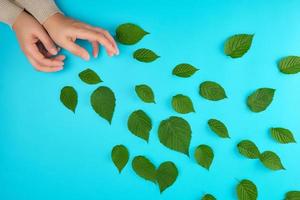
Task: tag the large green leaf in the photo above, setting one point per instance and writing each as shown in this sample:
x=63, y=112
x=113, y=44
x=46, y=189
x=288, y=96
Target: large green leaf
x=208, y=197
x=103, y=102
x=271, y=160
x=237, y=45
x=175, y=133
x=144, y=168
x=129, y=33
x=140, y=124
x=184, y=70
x=246, y=190
x=120, y=156
x=218, y=127
x=282, y=135
x=145, y=93
x=145, y=55
x=248, y=149
x=182, y=104
x=204, y=156
x=166, y=175
x=212, y=91
x=260, y=99
x=90, y=77
x=68, y=96
x=289, y=65
x=292, y=195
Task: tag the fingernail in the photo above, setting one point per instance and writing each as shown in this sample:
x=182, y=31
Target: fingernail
x=53, y=51
x=86, y=57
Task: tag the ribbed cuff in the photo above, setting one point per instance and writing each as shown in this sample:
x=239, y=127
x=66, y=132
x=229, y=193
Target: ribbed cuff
x=9, y=12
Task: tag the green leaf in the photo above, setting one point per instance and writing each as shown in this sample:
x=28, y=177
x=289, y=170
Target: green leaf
x=248, y=149
x=103, y=102
x=208, y=197
x=145, y=93
x=175, y=133
x=120, y=156
x=271, y=160
x=289, y=65
x=139, y=124
x=68, y=96
x=292, y=195
x=145, y=55
x=129, y=33
x=144, y=168
x=166, y=175
x=184, y=70
x=237, y=45
x=246, y=190
x=204, y=156
x=260, y=99
x=282, y=135
x=90, y=77
x=182, y=104
x=218, y=127
x=212, y=91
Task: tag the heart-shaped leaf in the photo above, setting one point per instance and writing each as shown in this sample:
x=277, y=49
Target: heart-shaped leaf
x=145, y=55
x=129, y=33
x=166, y=175
x=175, y=133
x=182, y=104
x=184, y=70
x=218, y=127
x=145, y=93
x=260, y=99
x=68, y=96
x=289, y=65
x=212, y=91
x=103, y=102
x=208, y=197
x=204, y=156
x=140, y=124
x=246, y=190
x=237, y=45
x=144, y=168
x=292, y=195
x=120, y=156
x=248, y=149
x=90, y=77
x=282, y=135
x=271, y=160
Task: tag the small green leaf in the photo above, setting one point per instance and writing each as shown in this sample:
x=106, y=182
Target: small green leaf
x=139, y=124
x=90, y=77
x=271, y=160
x=259, y=100
x=289, y=65
x=129, y=33
x=218, y=127
x=208, y=197
x=145, y=55
x=292, y=195
x=175, y=133
x=166, y=175
x=212, y=91
x=204, y=156
x=237, y=45
x=248, y=149
x=103, y=102
x=68, y=96
x=184, y=70
x=144, y=168
x=182, y=104
x=120, y=156
x=145, y=93
x=246, y=190
x=282, y=135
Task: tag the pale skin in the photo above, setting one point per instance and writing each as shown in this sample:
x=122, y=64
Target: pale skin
x=39, y=42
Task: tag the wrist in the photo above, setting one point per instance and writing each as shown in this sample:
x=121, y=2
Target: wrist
x=53, y=20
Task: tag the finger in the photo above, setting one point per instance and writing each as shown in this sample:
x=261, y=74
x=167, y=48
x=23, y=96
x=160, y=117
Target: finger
x=76, y=50
x=48, y=43
x=95, y=47
x=108, y=36
x=41, y=68
x=60, y=57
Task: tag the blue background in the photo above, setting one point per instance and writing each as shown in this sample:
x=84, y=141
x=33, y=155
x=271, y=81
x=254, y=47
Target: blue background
x=47, y=152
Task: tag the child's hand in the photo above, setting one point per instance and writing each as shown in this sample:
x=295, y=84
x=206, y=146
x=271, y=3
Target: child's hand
x=65, y=31
x=36, y=44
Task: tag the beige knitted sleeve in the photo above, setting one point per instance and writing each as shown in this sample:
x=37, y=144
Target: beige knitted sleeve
x=40, y=9
x=9, y=12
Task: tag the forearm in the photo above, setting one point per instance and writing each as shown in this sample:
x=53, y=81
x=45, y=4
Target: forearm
x=9, y=12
